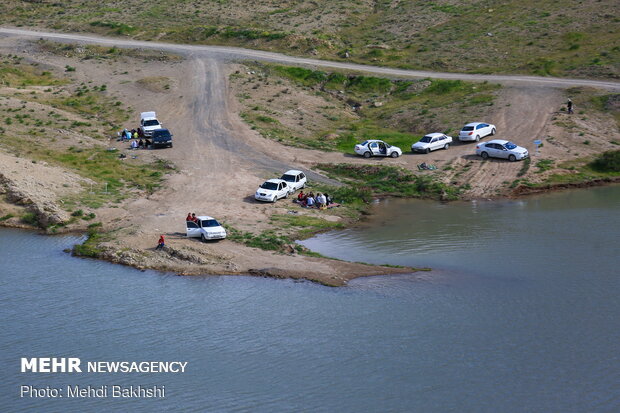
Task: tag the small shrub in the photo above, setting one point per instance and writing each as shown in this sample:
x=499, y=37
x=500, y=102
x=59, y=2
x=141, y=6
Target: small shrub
x=30, y=218
x=607, y=162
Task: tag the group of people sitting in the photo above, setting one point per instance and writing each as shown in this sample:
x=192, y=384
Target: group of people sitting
x=135, y=138
x=191, y=217
x=309, y=200
x=140, y=144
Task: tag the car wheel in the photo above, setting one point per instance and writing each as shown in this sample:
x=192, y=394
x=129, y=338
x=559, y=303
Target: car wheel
x=394, y=154
x=492, y=131
x=428, y=150
x=512, y=158
x=170, y=145
x=285, y=195
x=446, y=146
x=203, y=238
x=366, y=154
x=484, y=155
x=477, y=138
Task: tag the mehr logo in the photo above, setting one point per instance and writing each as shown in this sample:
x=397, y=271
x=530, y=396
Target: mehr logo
x=51, y=365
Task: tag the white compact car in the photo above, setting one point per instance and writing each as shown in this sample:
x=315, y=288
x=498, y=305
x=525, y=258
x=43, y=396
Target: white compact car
x=431, y=142
x=294, y=179
x=499, y=148
x=148, y=123
x=207, y=228
x=272, y=190
x=476, y=130
x=374, y=147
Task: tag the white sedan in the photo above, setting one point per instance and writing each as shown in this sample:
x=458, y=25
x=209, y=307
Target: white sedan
x=374, y=147
x=499, y=148
x=206, y=228
x=295, y=179
x=272, y=190
x=431, y=142
x=476, y=130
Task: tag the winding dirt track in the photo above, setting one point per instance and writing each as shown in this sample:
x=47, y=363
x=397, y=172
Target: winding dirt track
x=228, y=53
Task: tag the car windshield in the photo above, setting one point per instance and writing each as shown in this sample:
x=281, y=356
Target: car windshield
x=288, y=178
x=209, y=223
x=510, y=145
x=468, y=128
x=270, y=185
x=151, y=122
x=161, y=133
x=426, y=139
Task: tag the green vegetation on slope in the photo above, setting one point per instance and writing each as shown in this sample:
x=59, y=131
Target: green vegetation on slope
x=524, y=36
x=49, y=119
x=397, y=111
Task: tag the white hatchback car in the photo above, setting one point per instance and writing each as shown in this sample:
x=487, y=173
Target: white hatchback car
x=207, y=228
x=431, y=142
x=476, y=130
x=499, y=148
x=295, y=179
x=374, y=147
x=272, y=190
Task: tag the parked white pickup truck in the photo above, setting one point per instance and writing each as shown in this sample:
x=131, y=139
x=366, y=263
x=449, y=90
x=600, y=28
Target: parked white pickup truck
x=207, y=228
x=148, y=123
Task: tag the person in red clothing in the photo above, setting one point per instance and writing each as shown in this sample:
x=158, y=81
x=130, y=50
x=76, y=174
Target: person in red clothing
x=189, y=217
x=161, y=243
x=194, y=218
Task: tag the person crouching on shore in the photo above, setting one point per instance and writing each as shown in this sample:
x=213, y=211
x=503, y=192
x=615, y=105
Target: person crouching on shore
x=161, y=243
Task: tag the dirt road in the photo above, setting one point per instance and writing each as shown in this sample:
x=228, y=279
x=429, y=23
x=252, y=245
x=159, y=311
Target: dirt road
x=230, y=53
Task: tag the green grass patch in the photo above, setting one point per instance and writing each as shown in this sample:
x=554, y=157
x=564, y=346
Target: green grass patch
x=544, y=165
x=388, y=180
x=305, y=225
x=90, y=248
x=267, y=240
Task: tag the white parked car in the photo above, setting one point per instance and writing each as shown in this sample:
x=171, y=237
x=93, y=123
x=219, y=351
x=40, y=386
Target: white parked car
x=148, y=123
x=272, y=190
x=499, y=148
x=294, y=179
x=431, y=142
x=476, y=130
x=374, y=147
x=207, y=228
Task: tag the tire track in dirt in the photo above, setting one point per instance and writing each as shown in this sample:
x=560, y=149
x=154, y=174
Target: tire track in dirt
x=525, y=120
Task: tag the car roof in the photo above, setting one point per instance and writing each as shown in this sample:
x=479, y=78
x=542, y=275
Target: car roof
x=292, y=172
x=475, y=123
x=500, y=141
x=275, y=181
x=434, y=134
x=374, y=140
x=203, y=217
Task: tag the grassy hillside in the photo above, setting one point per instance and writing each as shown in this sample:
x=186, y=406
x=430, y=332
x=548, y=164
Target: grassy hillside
x=334, y=111
x=580, y=39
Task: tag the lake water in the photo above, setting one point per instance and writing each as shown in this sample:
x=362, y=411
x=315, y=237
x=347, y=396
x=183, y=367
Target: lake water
x=520, y=314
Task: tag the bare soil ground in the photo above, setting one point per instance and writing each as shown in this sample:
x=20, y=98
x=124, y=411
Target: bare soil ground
x=221, y=161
